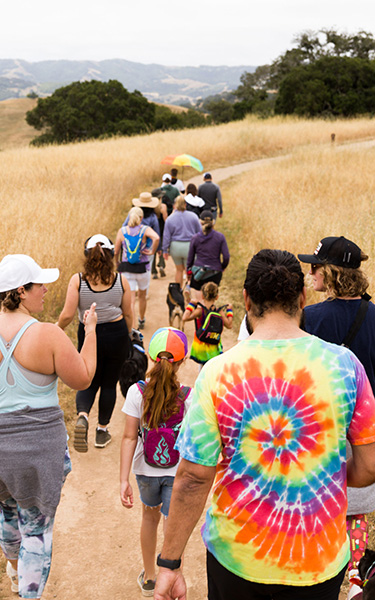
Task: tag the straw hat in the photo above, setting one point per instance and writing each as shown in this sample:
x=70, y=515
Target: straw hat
x=145, y=200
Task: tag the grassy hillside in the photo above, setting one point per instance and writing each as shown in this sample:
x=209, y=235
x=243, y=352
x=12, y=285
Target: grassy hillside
x=14, y=131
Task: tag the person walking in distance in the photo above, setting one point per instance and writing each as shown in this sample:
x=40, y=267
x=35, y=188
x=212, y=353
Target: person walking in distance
x=268, y=422
x=211, y=194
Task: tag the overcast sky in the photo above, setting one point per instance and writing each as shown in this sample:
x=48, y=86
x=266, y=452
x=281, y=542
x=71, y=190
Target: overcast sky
x=185, y=32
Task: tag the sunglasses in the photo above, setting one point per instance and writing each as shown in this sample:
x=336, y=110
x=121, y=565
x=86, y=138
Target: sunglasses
x=314, y=268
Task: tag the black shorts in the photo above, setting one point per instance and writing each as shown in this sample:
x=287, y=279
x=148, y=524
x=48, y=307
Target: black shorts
x=225, y=585
x=197, y=285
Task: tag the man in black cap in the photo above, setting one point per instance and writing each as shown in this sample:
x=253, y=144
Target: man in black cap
x=211, y=194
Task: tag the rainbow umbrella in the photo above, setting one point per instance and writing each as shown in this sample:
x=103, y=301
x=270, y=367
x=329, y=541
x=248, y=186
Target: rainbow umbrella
x=183, y=160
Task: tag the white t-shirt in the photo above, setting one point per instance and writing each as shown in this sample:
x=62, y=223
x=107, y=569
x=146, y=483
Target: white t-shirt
x=133, y=406
x=243, y=334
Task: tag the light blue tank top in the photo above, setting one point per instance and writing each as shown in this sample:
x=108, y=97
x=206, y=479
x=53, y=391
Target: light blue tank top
x=16, y=389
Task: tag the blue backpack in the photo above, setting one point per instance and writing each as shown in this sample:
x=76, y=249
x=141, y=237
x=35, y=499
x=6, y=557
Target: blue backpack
x=132, y=245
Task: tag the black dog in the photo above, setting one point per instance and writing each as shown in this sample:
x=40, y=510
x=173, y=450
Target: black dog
x=366, y=568
x=176, y=305
x=134, y=367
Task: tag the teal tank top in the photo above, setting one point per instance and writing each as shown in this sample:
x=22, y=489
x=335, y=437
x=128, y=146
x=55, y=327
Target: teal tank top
x=16, y=391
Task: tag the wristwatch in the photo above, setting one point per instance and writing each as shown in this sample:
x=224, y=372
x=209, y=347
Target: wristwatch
x=168, y=564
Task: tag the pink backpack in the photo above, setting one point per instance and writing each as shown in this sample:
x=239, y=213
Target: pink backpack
x=158, y=444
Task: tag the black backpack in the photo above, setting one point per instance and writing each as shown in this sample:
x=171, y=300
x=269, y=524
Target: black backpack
x=211, y=329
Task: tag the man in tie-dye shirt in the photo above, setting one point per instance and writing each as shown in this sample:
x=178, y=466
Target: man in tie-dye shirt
x=269, y=421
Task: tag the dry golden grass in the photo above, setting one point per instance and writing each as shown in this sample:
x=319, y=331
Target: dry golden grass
x=294, y=203
x=14, y=131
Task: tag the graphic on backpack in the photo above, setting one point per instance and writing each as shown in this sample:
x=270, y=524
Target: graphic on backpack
x=158, y=444
x=211, y=329
x=132, y=245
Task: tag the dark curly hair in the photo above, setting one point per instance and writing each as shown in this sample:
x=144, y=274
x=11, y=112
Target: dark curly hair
x=274, y=279
x=11, y=299
x=98, y=265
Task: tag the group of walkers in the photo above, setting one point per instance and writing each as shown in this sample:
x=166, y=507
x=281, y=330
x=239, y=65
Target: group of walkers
x=279, y=424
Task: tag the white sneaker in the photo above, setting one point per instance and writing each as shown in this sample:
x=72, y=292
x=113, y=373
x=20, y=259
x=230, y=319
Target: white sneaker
x=13, y=576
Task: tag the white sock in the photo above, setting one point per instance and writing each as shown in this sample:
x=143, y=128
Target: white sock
x=100, y=428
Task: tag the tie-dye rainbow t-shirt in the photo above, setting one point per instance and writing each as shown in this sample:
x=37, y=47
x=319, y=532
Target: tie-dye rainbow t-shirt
x=274, y=417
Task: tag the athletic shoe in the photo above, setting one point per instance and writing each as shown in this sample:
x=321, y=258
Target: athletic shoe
x=102, y=438
x=162, y=272
x=155, y=276
x=13, y=576
x=80, y=435
x=141, y=323
x=147, y=585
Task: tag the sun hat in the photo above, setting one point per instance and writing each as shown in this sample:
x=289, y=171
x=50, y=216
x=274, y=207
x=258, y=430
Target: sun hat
x=166, y=176
x=207, y=176
x=146, y=200
x=168, y=339
x=336, y=251
x=99, y=238
x=19, y=269
x=206, y=214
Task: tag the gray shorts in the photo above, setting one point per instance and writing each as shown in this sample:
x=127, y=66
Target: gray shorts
x=179, y=252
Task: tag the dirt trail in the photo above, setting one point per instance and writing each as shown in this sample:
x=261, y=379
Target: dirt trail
x=96, y=541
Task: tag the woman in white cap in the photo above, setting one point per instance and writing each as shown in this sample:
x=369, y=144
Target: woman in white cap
x=33, y=439
x=346, y=318
x=100, y=283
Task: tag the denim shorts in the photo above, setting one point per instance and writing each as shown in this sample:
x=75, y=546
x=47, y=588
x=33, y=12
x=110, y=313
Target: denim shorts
x=155, y=491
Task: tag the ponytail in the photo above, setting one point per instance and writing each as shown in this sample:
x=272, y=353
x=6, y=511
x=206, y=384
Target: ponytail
x=161, y=394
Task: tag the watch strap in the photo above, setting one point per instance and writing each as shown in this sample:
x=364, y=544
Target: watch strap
x=168, y=564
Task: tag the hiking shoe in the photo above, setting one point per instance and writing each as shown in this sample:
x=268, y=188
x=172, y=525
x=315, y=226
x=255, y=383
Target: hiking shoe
x=141, y=323
x=147, y=586
x=80, y=435
x=102, y=438
x=162, y=272
x=13, y=576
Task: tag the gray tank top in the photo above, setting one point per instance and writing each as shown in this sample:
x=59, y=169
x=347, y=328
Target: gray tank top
x=108, y=302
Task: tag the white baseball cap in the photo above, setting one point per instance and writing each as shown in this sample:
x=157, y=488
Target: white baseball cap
x=19, y=269
x=166, y=176
x=99, y=238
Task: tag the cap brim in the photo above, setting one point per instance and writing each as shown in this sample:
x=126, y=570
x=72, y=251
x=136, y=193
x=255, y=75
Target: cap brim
x=47, y=276
x=311, y=259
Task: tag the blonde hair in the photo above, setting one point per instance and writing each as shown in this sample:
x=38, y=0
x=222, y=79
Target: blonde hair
x=135, y=216
x=342, y=282
x=180, y=203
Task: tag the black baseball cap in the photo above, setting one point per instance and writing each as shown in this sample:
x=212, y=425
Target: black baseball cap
x=336, y=251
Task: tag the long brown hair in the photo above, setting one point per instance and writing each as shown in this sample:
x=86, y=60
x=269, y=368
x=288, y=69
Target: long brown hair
x=98, y=265
x=160, y=398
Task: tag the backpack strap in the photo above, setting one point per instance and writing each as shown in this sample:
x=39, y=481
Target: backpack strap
x=141, y=385
x=359, y=318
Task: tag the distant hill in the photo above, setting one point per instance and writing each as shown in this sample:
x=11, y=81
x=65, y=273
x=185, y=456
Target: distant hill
x=158, y=83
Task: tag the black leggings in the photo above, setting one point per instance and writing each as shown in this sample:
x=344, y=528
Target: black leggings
x=113, y=345
x=225, y=585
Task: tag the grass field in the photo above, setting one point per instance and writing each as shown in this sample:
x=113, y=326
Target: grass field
x=54, y=198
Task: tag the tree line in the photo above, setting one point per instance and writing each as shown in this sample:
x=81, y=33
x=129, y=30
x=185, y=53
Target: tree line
x=326, y=74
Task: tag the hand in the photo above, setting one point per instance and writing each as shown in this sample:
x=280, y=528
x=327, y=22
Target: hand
x=147, y=251
x=170, y=585
x=126, y=494
x=230, y=306
x=166, y=255
x=90, y=318
x=220, y=215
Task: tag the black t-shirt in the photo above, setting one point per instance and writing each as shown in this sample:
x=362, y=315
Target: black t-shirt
x=331, y=321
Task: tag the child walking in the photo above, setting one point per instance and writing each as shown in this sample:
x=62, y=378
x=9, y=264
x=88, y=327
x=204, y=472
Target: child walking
x=154, y=411
x=209, y=323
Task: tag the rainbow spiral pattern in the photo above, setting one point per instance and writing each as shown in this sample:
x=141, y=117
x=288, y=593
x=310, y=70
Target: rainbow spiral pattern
x=274, y=417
